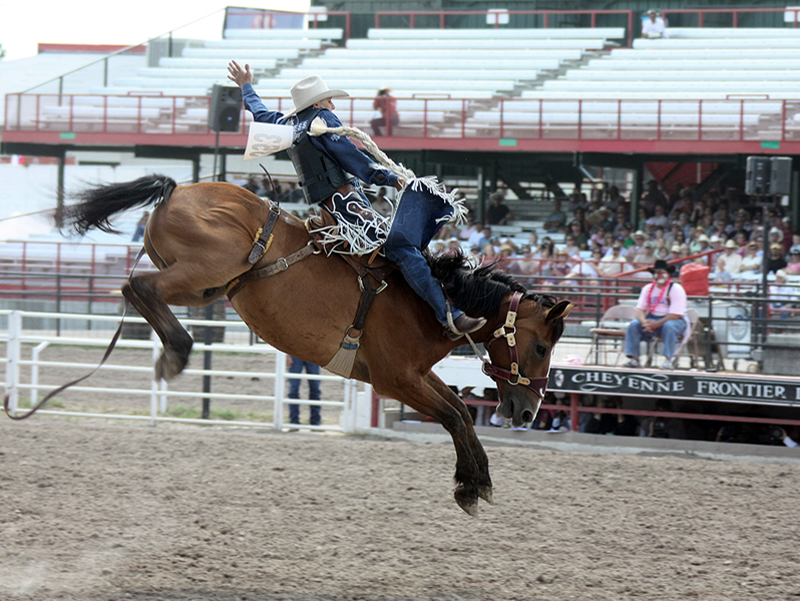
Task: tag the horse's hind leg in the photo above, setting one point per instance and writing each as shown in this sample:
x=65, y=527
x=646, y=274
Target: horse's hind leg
x=484, y=481
x=146, y=294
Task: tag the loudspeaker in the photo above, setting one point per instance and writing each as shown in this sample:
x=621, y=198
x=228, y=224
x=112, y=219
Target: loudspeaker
x=780, y=181
x=758, y=175
x=225, y=109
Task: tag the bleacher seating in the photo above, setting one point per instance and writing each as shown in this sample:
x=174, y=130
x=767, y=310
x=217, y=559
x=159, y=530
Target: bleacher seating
x=440, y=73
x=687, y=72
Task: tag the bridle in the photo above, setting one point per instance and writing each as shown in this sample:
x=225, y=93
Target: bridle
x=513, y=376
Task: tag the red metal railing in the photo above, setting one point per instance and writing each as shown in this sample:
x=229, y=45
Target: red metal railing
x=700, y=12
x=621, y=119
x=443, y=14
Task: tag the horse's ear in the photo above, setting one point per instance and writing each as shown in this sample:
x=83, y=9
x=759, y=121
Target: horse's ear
x=561, y=309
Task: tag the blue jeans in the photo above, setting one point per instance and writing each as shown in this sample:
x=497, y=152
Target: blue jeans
x=418, y=274
x=296, y=367
x=669, y=333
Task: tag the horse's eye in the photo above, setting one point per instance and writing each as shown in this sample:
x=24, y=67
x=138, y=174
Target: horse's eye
x=541, y=351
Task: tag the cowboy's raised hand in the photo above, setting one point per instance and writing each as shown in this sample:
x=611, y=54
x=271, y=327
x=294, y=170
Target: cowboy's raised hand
x=238, y=75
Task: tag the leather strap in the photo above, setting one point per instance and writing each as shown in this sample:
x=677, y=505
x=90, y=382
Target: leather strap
x=278, y=266
x=106, y=355
x=260, y=245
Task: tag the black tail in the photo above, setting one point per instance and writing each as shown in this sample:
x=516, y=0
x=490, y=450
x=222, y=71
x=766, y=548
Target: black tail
x=97, y=205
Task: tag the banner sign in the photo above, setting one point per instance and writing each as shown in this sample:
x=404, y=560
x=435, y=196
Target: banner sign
x=693, y=386
x=265, y=139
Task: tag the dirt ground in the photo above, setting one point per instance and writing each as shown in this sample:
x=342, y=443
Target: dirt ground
x=95, y=510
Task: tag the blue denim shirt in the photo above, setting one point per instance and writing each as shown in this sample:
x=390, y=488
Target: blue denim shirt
x=339, y=148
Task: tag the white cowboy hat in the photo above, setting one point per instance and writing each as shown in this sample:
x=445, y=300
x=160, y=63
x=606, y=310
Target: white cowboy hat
x=310, y=90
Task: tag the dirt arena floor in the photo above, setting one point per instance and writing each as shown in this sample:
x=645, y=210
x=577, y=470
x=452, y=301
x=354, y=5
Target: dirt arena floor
x=95, y=510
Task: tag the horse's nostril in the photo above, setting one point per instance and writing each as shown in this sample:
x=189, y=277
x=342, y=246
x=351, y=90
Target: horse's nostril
x=527, y=416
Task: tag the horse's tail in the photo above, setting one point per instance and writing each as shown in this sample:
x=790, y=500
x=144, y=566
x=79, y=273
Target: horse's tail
x=97, y=205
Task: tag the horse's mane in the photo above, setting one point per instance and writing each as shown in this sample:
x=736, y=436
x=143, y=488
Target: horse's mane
x=481, y=291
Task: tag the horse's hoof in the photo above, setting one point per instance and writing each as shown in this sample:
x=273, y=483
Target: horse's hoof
x=471, y=508
x=485, y=493
x=170, y=365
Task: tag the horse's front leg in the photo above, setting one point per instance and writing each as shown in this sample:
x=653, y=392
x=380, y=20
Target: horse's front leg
x=420, y=396
x=484, y=480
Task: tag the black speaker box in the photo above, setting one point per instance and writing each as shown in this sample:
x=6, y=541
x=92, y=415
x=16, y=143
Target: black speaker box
x=225, y=109
x=780, y=182
x=758, y=174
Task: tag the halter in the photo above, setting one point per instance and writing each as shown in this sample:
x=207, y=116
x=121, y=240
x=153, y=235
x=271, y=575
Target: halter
x=513, y=376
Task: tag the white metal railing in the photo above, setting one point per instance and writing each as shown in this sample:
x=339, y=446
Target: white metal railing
x=353, y=396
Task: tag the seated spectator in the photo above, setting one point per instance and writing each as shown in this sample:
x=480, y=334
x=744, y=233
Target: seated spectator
x=729, y=264
x=470, y=228
x=611, y=423
x=793, y=268
x=481, y=238
x=525, y=265
x=781, y=295
x=658, y=219
x=795, y=242
x=561, y=267
x=598, y=236
x=556, y=221
x=579, y=234
x=775, y=260
x=662, y=427
x=498, y=213
x=637, y=247
x=654, y=28
x=585, y=269
x=613, y=263
x=661, y=310
x=654, y=198
x=751, y=262
x=646, y=256
x=782, y=435
x=570, y=246
x=775, y=236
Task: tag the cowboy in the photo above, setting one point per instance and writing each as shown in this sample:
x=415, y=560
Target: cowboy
x=324, y=164
x=661, y=311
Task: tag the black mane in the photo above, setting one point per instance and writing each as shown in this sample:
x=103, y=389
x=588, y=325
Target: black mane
x=481, y=292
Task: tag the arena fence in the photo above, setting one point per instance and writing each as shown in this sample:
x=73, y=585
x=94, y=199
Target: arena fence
x=24, y=376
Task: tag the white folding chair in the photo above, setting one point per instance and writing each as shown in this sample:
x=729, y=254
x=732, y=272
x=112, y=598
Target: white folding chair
x=611, y=333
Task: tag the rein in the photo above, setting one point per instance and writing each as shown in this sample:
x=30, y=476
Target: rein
x=107, y=354
x=513, y=376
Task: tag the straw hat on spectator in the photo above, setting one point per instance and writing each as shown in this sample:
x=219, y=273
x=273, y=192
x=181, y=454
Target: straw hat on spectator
x=714, y=238
x=676, y=248
x=649, y=244
x=752, y=244
x=638, y=234
x=775, y=232
x=731, y=244
x=776, y=247
x=702, y=238
x=562, y=252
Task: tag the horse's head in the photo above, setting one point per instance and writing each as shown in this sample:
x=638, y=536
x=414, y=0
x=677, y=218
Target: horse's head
x=520, y=352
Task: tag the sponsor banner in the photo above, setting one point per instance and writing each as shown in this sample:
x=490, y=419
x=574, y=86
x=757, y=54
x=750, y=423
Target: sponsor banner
x=254, y=18
x=695, y=386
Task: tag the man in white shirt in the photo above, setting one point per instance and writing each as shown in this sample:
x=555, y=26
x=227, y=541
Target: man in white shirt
x=729, y=264
x=654, y=26
x=661, y=311
x=613, y=263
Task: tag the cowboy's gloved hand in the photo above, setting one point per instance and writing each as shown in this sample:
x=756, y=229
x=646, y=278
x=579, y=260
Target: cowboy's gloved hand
x=238, y=75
